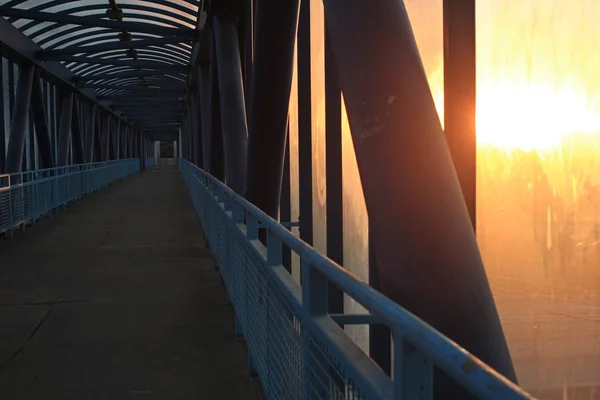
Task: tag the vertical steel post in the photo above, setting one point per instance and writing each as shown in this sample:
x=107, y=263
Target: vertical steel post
x=333, y=171
x=2, y=105
x=106, y=137
x=425, y=246
x=305, y=125
x=205, y=97
x=248, y=50
x=19, y=121
x=90, y=134
x=78, y=153
x=217, y=165
x=40, y=119
x=460, y=92
x=276, y=27
x=64, y=129
x=198, y=115
x=98, y=153
x=231, y=96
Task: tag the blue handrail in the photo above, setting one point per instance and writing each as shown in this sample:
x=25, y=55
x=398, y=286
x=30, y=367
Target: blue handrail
x=29, y=195
x=150, y=162
x=297, y=348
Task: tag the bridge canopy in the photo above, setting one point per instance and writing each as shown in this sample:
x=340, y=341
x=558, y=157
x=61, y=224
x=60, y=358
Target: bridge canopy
x=133, y=56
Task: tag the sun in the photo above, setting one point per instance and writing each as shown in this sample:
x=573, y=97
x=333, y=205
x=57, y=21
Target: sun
x=526, y=115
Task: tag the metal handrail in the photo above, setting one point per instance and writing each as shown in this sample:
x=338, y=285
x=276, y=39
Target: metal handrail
x=231, y=226
x=27, y=196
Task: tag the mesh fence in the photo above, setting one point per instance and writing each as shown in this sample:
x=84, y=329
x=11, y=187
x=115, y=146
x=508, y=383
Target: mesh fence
x=27, y=196
x=291, y=359
x=296, y=348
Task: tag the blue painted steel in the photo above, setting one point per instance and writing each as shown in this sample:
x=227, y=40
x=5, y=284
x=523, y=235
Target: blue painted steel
x=295, y=345
x=28, y=196
x=150, y=162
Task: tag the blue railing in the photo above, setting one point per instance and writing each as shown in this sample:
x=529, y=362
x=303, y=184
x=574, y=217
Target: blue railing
x=28, y=196
x=150, y=162
x=295, y=346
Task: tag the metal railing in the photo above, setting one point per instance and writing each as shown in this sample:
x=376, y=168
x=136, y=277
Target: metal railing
x=28, y=196
x=149, y=162
x=295, y=346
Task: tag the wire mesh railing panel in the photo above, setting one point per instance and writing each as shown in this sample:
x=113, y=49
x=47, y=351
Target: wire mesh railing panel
x=27, y=196
x=297, y=348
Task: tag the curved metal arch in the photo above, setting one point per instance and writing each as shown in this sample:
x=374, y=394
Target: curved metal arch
x=118, y=69
x=101, y=38
x=183, y=55
x=175, y=57
x=63, y=35
x=142, y=55
x=107, y=69
x=166, y=3
x=79, y=67
x=102, y=7
x=68, y=33
x=89, y=70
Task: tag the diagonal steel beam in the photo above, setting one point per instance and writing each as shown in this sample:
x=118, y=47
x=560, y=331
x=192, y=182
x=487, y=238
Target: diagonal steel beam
x=24, y=48
x=96, y=22
x=134, y=44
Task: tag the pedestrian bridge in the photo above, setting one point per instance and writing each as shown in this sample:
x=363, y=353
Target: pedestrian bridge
x=149, y=284
x=172, y=182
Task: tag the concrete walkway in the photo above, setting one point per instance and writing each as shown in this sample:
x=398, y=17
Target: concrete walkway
x=117, y=298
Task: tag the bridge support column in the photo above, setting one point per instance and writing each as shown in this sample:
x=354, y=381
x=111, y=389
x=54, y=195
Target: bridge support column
x=217, y=165
x=425, y=246
x=40, y=120
x=205, y=99
x=276, y=26
x=20, y=118
x=64, y=129
x=460, y=87
x=90, y=132
x=231, y=96
x=78, y=157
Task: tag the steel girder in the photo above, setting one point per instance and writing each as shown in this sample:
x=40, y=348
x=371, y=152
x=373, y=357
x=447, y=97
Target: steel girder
x=406, y=169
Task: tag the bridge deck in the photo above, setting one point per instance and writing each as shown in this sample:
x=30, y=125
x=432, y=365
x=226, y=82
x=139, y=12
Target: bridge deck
x=117, y=298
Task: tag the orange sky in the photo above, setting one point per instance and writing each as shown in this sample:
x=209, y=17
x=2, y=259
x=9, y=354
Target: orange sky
x=538, y=67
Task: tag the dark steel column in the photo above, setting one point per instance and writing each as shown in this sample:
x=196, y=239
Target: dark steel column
x=78, y=157
x=380, y=345
x=64, y=129
x=248, y=50
x=217, y=164
x=333, y=171
x=106, y=137
x=198, y=113
x=205, y=101
x=90, y=134
x=231, y=96
x=276, y=27
x=40, y=120
x=98, y=155
x=425, y=246
x=3, y=104
x=304, y=125
x=285, y=209
x=460, y=93
x=19, y=121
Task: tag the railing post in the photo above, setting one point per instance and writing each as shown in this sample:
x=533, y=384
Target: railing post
x=413, y=372
x=314, y=301
x=10, y=207
x=274, y=348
